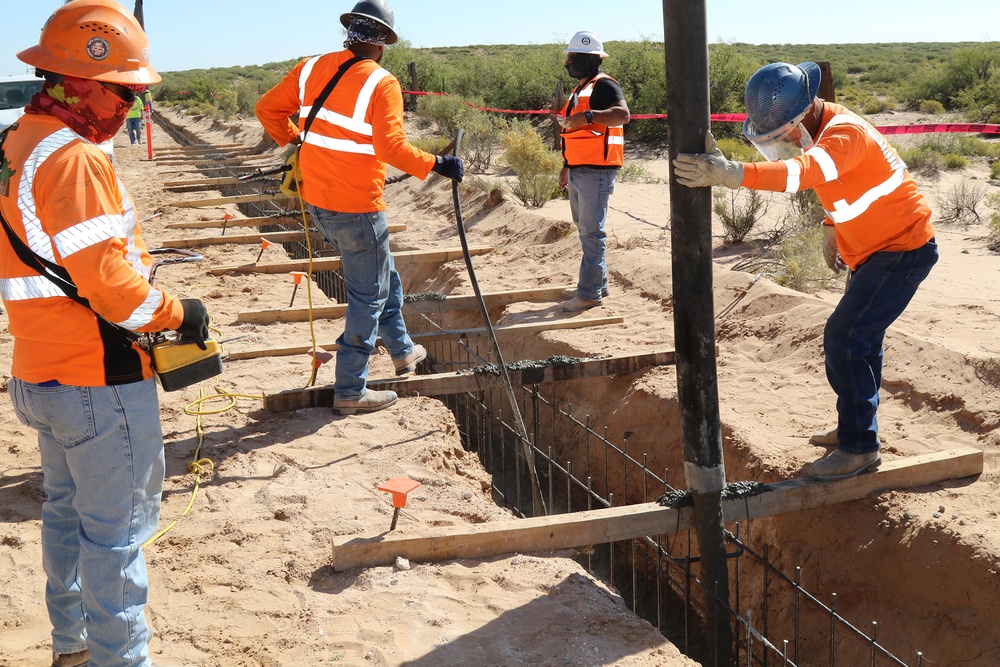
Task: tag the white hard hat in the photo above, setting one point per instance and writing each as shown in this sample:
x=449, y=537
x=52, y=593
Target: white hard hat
x=586, y=42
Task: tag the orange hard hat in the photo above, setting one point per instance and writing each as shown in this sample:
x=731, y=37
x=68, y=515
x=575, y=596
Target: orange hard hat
x=93, y=39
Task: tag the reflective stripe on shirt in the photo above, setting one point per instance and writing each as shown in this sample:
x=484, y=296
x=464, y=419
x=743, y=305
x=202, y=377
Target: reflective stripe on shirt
x=29, y=287
x=354, y=123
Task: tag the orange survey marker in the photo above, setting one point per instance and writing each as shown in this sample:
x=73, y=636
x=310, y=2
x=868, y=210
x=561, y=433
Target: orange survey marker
x=297, y=277
x=398, y=487
x=264, y=245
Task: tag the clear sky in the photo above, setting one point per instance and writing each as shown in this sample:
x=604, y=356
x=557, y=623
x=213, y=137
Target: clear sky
x=189, y=34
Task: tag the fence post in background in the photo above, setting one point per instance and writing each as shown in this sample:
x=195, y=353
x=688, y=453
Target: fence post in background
x=558, y=100
x=826, y=90
x=411, y=104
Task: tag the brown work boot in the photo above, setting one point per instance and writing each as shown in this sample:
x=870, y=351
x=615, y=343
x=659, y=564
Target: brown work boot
x=576, y=304
x=408, y=364
x=839, y=464
x=78, y=659
x=825, y=438
x=372, y=401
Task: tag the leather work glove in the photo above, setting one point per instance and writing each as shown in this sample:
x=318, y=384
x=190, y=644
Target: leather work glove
x=449, y=166
x=195, y=322
x=830, y=252
x=699, y=170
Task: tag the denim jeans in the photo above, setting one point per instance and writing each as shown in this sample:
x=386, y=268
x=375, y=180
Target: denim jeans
x=102, y=466
x=878, y=293
x=374, y=295
x=589, y=191
x=134, y=127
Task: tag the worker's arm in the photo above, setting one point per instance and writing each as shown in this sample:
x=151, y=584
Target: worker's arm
x=276, y=107
x=388, y=135
x=97, y=240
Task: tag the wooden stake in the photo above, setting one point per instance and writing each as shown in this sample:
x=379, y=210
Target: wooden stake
x=579, y=529
x=222, y=201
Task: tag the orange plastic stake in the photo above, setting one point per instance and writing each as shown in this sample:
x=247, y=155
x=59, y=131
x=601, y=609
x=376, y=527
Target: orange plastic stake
x=226, y=217
x=398, y=487
x=264, y=245
x=297, y=277
x=320, y=357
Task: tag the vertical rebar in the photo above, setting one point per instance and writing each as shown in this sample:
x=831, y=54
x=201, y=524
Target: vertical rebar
x=833, y=631
x=767, y=573
x=874, y=642
x=798, y=611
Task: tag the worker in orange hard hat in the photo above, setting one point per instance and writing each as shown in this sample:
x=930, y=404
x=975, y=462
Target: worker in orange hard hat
x=592, y=137
x=74, y=278
x=350, y=126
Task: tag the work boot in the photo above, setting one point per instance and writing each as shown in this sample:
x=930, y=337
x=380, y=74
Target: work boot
x=840, y=464
x=576, y=304
x=78, y=659
x=825, y=438
x=408, y=364
x=372, y=401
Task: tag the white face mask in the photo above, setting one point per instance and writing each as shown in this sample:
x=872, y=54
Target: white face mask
x=791, y=144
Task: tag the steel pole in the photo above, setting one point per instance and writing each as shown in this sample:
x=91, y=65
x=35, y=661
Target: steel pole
x=686, y=52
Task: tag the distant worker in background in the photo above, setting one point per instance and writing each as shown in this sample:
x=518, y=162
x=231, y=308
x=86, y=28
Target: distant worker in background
x=356, y=131
x=593, y=151
x=877, y=226
x=79, y=379
x=133, y=121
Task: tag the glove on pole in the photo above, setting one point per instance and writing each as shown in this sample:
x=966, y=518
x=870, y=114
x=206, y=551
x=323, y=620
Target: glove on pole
x=699, y=170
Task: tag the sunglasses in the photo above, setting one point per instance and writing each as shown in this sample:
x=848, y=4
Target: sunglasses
x=123, y=92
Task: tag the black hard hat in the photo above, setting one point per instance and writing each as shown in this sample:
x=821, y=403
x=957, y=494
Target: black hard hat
x=376, y=10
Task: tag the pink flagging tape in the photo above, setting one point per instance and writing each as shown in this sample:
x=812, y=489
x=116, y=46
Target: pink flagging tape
x=974, y=128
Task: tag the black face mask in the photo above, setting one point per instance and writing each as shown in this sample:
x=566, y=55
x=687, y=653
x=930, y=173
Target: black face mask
x=582, y=65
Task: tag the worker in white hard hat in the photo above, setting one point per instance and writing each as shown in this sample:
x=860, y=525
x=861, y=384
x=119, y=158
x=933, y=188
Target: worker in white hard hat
x=593, y=151
x=878, y=226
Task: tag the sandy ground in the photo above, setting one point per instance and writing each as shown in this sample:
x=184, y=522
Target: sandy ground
x=244, y=578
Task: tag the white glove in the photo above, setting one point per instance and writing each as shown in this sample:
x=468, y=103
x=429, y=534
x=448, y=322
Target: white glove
x=830, y=252
x=699, y=170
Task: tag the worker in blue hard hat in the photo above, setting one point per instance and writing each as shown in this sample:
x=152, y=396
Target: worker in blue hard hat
x=877, y=226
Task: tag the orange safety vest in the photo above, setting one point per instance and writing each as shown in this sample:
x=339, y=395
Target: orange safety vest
x=861, y=182
x=60, y=195
x=357, y=132
x=592, y=145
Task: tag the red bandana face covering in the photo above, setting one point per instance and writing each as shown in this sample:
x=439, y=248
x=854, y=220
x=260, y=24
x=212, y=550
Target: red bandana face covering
x=87, y=107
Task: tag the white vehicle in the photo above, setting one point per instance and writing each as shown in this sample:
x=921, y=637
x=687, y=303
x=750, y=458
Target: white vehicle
x=16, y=92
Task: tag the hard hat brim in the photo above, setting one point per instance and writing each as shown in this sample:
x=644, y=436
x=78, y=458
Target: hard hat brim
x=814, y=74
x=40, y=58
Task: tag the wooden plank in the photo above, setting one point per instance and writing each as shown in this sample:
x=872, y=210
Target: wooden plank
x=425, y=544
x=266, y=221
x=197, y=162
x=221, y=180
x=222, y=201
x=443, y=384
x=430, y=336
x=240, y=239
x=227, y=184
x=333, y=263
x=449, y=303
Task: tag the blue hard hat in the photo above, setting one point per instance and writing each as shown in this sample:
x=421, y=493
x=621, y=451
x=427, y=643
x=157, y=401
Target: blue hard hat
x=776, y=96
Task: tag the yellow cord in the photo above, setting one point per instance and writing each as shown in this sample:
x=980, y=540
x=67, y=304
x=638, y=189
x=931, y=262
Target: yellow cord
x=309, y=269
x=201, y=467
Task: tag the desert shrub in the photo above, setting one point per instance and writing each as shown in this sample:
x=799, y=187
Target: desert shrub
x=953, y=161
x=922, y=160
x=739, y=211
x=536, y=168
x=993, y=221
x=226, y=102
x=636, y=173
x=960, y=144
x=447, y=112
x=806, y=207
x=995, y=171
x=482, y=138
x=960, y=203
x=431, y=144
x=876, y=105
x=739, y=150
x=932, y=107
x=803, y=266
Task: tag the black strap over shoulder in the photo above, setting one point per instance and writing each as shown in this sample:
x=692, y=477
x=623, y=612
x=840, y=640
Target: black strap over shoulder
x=318, y=102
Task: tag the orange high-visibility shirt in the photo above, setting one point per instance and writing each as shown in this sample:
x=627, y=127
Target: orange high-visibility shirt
x=861, y=182
x=591, y=145
x=65, y=202
x=357, y=132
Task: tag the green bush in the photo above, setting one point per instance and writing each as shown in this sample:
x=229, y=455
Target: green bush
x=739, y=210
x=953, y=161
x=922, y=160
x=995, y=171
x=801, y=254
x=635, y=173
x=932, y=107
x=739, y=150
x=536, y=168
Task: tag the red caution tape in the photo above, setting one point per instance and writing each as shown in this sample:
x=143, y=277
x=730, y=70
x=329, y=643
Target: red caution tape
x=974, y=128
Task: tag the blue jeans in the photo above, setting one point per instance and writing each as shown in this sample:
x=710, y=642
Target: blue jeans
x=102, y=466
x=589, y=191
x=878, y=293
x=374, y=295
x=134, y=127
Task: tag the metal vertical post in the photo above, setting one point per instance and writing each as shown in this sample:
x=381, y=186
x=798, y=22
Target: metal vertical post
x=686, y=52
